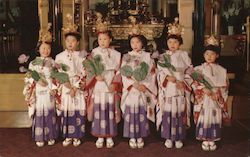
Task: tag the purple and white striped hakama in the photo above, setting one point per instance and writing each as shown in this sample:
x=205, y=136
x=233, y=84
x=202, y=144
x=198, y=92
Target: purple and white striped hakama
x=209, y=125
x=104, y=124
x=135, y=122
x=173, y=126
x=73, y=124
x=44, y=126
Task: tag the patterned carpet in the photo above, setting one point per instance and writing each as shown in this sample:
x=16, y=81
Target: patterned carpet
x=18, y=143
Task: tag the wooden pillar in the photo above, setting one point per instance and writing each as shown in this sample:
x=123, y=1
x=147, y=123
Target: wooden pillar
x=216, y=17
x=164, y=7
x=43, y=10
x=67, y=8
x=199, y=28
x=85, y=38
x=185, y=9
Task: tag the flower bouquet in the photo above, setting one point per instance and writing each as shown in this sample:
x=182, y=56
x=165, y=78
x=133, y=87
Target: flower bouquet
x=199, y=77
x=94, y=66
x=139, y=74
x=166, y=63
x=62, y=77
x=23, y=59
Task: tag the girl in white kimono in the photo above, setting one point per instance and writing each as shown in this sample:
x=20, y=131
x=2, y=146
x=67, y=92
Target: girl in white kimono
x=135, y=104
x=73, y=104
x=40, y=97
x=173, y=95
x=210, y=104
x=104, y=110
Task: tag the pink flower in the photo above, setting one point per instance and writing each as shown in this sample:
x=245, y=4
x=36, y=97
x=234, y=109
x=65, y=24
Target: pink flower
x=23, y=58
x=137, y=62
x=48, y=63
x=57, y=66
x=190, y=70
x=126, y=58
x=22, y=69
x=169, y=52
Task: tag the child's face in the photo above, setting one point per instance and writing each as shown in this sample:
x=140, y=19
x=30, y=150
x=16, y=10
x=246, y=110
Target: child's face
x=210, y=56
x=173, y=44
x=44, y=50
x=104, y=40
x=71, y=43
x=136, y=44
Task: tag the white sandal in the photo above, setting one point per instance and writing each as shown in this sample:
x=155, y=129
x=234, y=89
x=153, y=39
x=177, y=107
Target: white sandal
x=76, y=142
x=110, y=143
x=132, y=143
x=140, y=143
x=168, y=143
x=51, y=142
x=40, y=144
x=212, y=146
x=205, y=146
x=67, y=142
x=99, y=143
x=178, y=144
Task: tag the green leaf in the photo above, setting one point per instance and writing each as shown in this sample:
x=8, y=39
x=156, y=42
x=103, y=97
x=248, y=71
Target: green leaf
x=207, y=84
x=167, y=63
x=162, y=65
x=126, y=70
x=144, y=66
x=197, y=76
x=100, y=69
x=62, y=77
x=94, y=65
x=172, y=67
x=137, y=74
x=35, y=75
x=64, y=67
x=88, y=66
x=141, y=72
x=97, y=58
x=37, y=61
x=166, y=58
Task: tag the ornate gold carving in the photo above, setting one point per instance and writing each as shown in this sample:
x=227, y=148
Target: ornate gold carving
x=175, y=28
x=45, y=35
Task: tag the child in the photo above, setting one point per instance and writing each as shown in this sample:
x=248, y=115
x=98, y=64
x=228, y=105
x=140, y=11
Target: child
x=104, y=88
x=73, y=104
x=173, y=92
x=39, y=94
x=210, y=103
x=135, y=105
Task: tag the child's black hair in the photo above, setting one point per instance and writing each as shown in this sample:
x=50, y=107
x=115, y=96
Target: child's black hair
x=213, y=48
x=142, y=38
x=39, y=43
x=177, y=37
x=74, y=34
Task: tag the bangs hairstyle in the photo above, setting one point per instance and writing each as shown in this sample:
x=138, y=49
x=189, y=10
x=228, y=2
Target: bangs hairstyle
x=108, y=33
x=74, y=34
x=39, y=43
x=213, y=48
x=177, y=37
x=142, y=38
